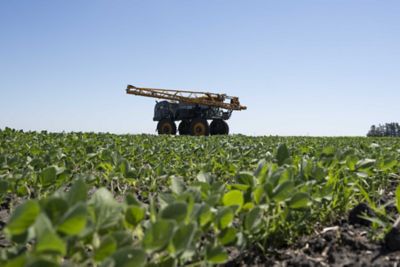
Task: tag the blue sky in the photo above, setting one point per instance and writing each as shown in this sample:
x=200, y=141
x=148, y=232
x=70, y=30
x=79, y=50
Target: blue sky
x=303, y=67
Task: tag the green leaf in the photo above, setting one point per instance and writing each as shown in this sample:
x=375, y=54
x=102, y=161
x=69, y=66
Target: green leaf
x=153, y=210
x=134, y=215
x=300, y=200
x=365, y=164
x=328, y=151
x=241, y=187
x=165, y=262
x=283, y=191
x=164, y=199
x=282, y=154
x=248, y=206
x=49, y=242
x=130, y=200
x=398, y=198
x=175, y=211
x=124, y=167
x=55, y=208
x=42, y=263
x=23, y=217
x=224, y=217
x=279, y=176
x=261, y=170
x=123, y=238
x=216, y=255
x=107, y=247
x=205, y=215
x=158, y=235
x=74, y=220
x=48, y=176
x=227, y=236
x=78, y=192
x=3, y=187
x=253, y=220
x=42, y=225
x=233, y=198
x=258, y=193
x=246, y=178
x=204, y=177
x=389, y=163
x=177, y=185
x=375, y=220
x=107, y=211
x=129, y=257
x=351, y=162
x=183, y=238
x=19, y=261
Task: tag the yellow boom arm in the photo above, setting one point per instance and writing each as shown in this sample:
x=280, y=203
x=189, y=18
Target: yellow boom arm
x=189, y=97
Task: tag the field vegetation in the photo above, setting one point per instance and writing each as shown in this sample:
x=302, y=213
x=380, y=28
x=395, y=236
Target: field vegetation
x=141, y=200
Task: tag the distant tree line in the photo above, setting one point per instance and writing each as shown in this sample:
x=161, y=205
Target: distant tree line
x=388, y=129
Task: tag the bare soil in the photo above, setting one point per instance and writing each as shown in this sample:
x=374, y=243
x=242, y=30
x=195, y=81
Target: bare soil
x=339, y=245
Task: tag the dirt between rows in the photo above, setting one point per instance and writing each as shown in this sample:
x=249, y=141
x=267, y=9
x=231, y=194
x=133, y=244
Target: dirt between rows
x=339, y=245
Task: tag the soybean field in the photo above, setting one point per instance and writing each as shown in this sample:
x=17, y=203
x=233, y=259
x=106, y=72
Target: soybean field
x=99, y=199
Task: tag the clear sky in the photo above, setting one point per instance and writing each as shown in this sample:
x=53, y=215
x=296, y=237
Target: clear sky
x=303, y=67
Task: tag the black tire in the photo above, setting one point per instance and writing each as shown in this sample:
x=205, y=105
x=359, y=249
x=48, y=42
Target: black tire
x=184, y=127
x=219, y=127
x=166, y=126
x=199, y=127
